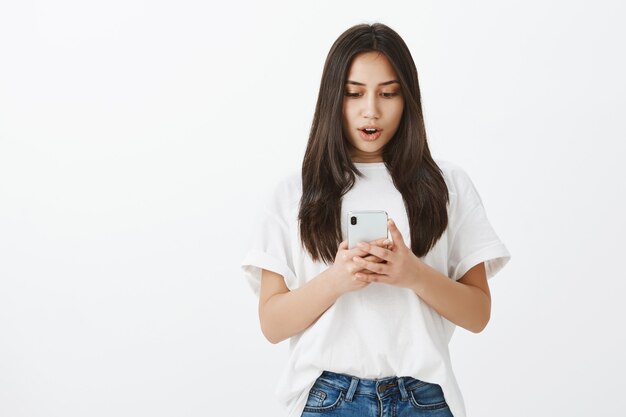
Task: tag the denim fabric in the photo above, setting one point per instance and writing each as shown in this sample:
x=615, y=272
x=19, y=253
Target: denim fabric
x=341, y=395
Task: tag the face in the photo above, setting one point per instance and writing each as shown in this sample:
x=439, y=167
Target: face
x=372, y=106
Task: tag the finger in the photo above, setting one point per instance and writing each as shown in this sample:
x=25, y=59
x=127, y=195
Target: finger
x=382, y=253
x=378, y=268
x=371, y=277
x=343, y=245
x=383, y=243
x=356, y=251
x=373, y=258
x=398, y=240
x=363, y=271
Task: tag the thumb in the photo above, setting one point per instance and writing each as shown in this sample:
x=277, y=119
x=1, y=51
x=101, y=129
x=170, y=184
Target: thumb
x=398, y=240
x=343, y=245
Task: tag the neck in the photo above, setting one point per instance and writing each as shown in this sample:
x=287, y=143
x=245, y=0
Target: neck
x=367, y=158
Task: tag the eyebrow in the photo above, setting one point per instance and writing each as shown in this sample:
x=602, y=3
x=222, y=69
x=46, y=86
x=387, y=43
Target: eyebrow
x=385, y=83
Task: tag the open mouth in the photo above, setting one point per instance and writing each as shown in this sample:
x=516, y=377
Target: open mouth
x=370, y=133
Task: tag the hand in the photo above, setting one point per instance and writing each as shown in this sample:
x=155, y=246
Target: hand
x=344, y=268
x=400, y=267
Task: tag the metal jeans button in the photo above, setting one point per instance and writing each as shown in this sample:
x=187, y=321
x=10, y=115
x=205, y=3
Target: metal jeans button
x=384, y=387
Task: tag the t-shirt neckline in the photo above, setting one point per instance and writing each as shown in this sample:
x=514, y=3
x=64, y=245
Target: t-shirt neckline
x=362, y=165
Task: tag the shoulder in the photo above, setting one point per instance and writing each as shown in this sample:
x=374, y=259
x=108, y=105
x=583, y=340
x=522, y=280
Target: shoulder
x=458, y=181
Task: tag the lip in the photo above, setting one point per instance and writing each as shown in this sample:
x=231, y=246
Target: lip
x=369, y=137
x=370, y=127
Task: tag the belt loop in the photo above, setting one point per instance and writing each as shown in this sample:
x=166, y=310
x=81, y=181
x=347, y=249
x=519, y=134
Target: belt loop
x=352, y=389
x=403, y=392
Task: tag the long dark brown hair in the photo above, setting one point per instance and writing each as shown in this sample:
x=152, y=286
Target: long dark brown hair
x=328, y=171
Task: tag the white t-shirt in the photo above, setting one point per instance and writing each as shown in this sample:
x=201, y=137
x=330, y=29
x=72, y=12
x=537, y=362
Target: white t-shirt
x=380, y=330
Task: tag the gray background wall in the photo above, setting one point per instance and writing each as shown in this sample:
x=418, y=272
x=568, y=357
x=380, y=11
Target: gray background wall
x=137, y=138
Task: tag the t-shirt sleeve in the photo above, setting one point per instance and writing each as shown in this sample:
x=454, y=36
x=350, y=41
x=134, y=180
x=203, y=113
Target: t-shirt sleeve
x=270, y=244
x=473, y=239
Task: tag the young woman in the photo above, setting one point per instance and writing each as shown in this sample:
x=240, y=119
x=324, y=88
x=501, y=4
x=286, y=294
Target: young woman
x=369, y=326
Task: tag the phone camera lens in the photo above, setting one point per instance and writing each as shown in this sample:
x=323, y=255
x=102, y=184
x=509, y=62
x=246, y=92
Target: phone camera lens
x=353, y=220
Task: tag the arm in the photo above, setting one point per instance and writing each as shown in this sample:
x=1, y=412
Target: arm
x=466, y=302
x=284, y=313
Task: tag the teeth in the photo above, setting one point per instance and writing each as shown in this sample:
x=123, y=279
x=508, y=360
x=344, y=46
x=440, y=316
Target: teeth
x=370, y=130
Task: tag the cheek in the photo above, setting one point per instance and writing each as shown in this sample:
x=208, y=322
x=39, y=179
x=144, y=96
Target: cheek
x=348, y=111
x=396, y=111
x=350, y=117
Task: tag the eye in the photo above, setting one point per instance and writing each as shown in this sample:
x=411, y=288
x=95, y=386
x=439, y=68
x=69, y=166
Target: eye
x=390, y=95
x=352, y=94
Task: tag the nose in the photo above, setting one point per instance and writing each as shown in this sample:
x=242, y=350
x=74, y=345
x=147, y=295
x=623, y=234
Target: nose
x=370, y=107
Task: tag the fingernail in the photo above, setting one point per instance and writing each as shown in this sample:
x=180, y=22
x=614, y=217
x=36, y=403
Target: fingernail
x=386, y=242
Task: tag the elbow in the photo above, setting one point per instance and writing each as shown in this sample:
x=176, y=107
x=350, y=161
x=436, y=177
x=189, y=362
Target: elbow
x=269, y=332
x=483, y=317
x=273, y=339
x=481, y=324
x=479, y=329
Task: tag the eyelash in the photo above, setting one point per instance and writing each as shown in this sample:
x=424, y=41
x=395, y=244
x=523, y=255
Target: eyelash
x=384, y=95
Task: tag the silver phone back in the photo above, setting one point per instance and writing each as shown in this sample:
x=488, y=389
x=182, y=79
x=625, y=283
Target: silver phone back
x=370, y=225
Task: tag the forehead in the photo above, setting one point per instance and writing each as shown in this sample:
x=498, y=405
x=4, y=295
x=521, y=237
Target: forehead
x=371, y=68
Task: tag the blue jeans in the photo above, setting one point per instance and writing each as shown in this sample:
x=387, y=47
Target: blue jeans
x=341, y=395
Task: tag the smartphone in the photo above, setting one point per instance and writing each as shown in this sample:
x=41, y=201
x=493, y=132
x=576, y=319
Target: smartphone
x=366, y=225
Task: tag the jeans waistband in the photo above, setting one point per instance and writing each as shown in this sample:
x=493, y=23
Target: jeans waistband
x=381, y=387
